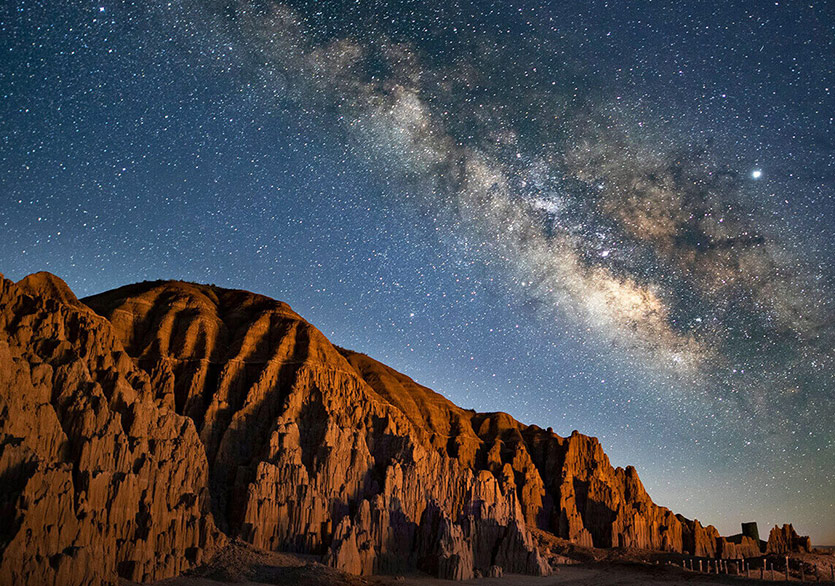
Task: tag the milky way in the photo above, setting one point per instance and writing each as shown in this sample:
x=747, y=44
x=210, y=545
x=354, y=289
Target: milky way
x=615, y=219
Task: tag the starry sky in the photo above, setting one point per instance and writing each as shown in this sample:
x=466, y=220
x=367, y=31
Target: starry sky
x=615, y=217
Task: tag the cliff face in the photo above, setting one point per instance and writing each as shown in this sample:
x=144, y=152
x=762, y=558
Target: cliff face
x=97, y=477
x=306, y=455
x=164, y=408
x=308, y=443
x=564, y=485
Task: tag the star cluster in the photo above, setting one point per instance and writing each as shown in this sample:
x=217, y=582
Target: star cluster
x=614, y=217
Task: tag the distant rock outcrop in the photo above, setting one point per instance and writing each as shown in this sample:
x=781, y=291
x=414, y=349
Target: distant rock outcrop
x=746, y=544
x=786, y=540
x=136, y=420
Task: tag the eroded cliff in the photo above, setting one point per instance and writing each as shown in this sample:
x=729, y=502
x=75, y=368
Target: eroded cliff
x=305, y=454
x=97, y=477
x=137, y=420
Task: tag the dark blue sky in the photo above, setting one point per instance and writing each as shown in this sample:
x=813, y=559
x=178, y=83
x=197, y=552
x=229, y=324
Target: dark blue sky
x=546, y=209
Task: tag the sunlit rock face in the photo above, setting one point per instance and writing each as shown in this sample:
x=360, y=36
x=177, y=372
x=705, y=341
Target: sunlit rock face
x=145, y=425
x=99, y=478
x=317, y=449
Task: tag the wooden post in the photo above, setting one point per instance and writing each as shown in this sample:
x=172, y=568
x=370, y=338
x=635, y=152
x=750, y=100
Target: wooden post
x=787, y=568
x=802, y=572
x=700, y=565
x=762, y=570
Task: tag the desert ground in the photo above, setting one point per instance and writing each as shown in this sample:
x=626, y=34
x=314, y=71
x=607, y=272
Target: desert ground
x=243, y=565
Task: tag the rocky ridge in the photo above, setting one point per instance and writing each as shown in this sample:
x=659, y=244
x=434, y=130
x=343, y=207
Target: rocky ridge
x=286, y=442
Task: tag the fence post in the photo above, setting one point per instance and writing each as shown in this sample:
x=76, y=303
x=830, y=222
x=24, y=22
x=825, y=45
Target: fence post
x=787, y=568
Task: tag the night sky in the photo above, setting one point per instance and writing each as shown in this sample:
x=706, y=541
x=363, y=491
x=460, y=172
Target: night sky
x=615, y=217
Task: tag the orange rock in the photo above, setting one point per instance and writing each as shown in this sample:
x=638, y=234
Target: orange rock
x=317, y=449
x=142, y=417
x=97, y=479
x=786, y=540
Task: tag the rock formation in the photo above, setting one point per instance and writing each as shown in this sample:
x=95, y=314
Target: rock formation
x=751, y=530
x=137, y=420
x=785, y=539
x=97, y=477
x=305, y=454
x=746, y=544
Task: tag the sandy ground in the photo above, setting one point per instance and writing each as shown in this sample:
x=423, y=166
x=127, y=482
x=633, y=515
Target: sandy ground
x=243, y=565
x=574, y=576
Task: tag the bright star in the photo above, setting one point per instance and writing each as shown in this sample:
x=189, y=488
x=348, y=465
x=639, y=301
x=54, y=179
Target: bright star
x=756, y=174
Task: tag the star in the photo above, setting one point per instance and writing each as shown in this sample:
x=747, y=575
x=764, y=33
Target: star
x=577, y=214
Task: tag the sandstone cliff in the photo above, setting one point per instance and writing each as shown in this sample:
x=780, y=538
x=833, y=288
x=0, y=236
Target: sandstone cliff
x=305, y=454
x=97, y=477
x=165, y=408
